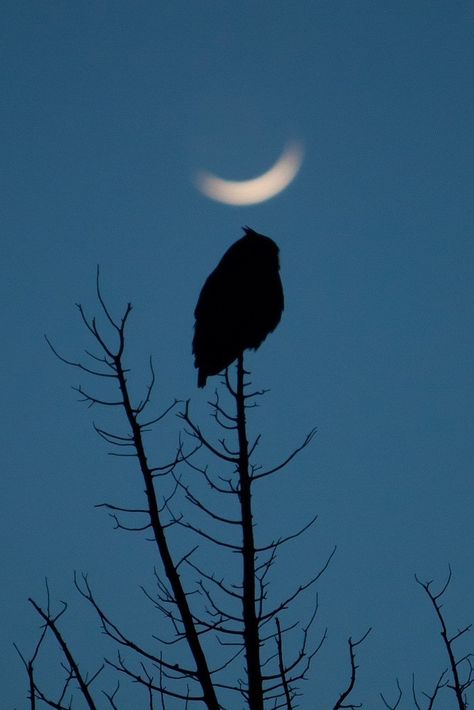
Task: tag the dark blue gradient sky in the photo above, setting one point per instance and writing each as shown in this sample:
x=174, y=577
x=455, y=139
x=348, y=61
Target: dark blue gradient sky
x=108, y=109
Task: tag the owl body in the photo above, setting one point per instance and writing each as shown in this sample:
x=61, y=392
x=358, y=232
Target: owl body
x=240, y=303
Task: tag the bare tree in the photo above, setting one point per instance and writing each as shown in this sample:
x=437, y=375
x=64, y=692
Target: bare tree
x=452, y=682
x=458, y=677
x=236, y=634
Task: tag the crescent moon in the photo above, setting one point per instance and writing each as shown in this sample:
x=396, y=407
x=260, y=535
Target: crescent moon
x=259, y=189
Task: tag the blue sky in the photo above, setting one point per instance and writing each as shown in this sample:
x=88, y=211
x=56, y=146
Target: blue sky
x=108, y=111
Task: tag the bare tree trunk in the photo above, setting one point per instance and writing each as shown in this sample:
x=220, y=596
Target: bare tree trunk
x=251, y=632
x=171, y=571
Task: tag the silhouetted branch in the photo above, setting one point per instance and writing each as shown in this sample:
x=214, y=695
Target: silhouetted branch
x=251, y=625
x=197, y=433
x=393, y=706
x=350, y=686
x=289, y=458
x=458, y=686
x=441, y=683
x=253, y=602
x=72, y=667
x=301, y=588
x=113, y=358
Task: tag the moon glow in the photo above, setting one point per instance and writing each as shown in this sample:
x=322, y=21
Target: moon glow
x=259, y=189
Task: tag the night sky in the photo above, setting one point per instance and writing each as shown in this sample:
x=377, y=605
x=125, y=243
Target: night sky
x=108, y=111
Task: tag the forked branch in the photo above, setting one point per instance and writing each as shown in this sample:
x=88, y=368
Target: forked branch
x=462, y=670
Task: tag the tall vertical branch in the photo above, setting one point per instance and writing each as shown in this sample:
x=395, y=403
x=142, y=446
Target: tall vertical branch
x=74, y=668
x=251, y=626
x=458, y=686
x=113, y=360
x=171, y=570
